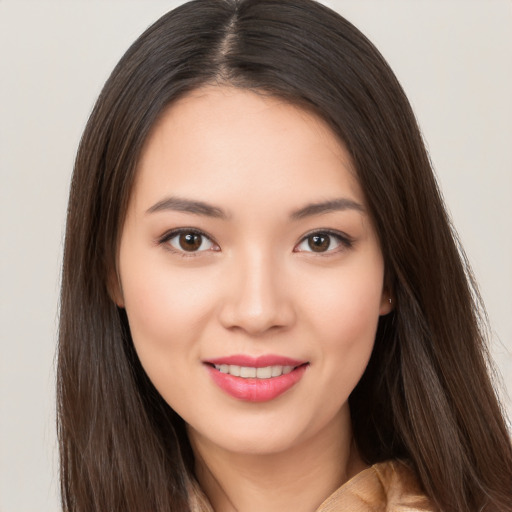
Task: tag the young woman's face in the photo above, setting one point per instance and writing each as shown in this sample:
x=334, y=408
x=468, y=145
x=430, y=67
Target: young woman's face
x=250, y=271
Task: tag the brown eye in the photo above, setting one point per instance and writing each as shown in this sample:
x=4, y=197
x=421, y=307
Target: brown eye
x=319, y=243
x=189, y=241
x=324, y=242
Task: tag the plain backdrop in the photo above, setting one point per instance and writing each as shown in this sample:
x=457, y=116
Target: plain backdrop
x=453, y=57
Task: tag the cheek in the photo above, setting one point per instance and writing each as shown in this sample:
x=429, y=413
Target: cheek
x=346, y=302
x=166, y=311
x=343, y=314
x=154, y=307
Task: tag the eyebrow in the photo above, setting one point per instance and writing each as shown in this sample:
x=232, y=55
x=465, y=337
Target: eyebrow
x=332, y=205
x=180, y=204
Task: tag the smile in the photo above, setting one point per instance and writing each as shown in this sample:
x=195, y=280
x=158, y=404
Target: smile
x=248, y=372
x=258, y=379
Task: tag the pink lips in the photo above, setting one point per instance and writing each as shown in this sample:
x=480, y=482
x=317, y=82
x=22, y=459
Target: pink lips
x=254, y=389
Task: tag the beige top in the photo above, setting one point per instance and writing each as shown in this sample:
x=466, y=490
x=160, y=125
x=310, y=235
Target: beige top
x=385, y=487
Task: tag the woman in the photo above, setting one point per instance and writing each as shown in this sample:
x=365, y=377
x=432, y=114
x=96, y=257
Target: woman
x=263, y=303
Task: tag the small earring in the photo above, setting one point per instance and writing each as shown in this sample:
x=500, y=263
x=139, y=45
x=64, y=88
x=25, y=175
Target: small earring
x=390, y=301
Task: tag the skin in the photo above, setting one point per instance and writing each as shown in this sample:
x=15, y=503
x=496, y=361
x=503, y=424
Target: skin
x=255, y=287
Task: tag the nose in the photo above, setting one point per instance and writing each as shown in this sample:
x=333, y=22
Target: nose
x=256, y=298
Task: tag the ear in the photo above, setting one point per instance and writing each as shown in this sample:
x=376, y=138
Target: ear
x=115, y=290
x=386, y=303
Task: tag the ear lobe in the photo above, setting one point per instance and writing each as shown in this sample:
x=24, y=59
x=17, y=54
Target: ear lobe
x=386, y=304
x=115, y=290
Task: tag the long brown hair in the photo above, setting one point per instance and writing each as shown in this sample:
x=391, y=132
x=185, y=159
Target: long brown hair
x=425, y=397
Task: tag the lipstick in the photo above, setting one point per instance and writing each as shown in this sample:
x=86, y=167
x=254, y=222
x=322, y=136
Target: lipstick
x=255, y=379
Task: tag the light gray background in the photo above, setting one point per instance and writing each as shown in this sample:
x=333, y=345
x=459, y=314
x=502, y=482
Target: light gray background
x=453, y=57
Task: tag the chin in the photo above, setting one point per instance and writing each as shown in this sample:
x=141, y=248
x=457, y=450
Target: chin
x=257, y=444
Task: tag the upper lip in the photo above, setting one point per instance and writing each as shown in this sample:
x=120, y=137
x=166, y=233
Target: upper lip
x=255, y=362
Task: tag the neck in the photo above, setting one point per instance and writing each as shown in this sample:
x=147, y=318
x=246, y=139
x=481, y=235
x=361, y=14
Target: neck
x=298, y=478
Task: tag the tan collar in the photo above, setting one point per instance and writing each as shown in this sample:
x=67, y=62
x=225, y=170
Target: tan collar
x=382, y=487
x=388, y=486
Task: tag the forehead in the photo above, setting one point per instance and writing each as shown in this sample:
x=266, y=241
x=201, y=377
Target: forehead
x=226, y=143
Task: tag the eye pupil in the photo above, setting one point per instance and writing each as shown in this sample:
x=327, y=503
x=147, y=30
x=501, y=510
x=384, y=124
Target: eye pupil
x=190, y=241
x=319, y=243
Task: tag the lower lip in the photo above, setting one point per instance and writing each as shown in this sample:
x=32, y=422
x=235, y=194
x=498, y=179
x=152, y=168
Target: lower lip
x=256, y=390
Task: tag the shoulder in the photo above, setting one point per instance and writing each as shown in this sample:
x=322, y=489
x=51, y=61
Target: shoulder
x=386, y=487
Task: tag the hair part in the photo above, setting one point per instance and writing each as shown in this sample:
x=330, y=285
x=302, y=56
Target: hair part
x=425, y=397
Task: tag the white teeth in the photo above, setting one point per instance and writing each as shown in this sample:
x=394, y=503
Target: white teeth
x=234, y=370
x=264, y=373
x=276, y=371
x=248, y=372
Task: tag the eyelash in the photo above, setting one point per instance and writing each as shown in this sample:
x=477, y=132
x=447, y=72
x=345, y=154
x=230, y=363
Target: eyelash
x=167, y=237
x=345, y=241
